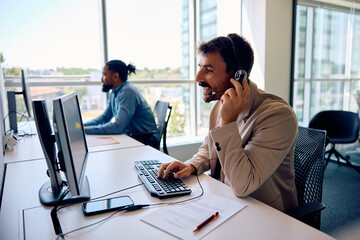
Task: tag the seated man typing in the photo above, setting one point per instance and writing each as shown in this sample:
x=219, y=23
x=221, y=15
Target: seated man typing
x=252, y=133
x=131, y=111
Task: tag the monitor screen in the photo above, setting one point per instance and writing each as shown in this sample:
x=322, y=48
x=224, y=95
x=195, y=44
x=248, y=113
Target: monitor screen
x=72, y=151
x=70, y=140
x=2, y=105
x=25, y=92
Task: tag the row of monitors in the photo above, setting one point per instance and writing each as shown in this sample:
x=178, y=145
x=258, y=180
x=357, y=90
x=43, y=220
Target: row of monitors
x=65, y=150
x=11, y=124
x=64, y=145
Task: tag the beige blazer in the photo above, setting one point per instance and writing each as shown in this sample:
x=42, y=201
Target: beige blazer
x=256, y=152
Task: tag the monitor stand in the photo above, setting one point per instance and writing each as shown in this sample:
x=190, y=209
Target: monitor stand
x=12, y=110
x=9, y=142
x=49, y=198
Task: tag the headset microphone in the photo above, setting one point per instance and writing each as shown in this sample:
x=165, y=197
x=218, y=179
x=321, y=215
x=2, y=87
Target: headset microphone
x=213, y=93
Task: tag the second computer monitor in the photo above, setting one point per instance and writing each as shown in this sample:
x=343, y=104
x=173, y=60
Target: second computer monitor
x=70, y=140
x=72, y=151
x=25, y=92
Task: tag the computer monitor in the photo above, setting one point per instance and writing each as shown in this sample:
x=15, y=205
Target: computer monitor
x=2, y=134
x=2, y=106
x=12, y=102
x=47, y=140
x=72, y=151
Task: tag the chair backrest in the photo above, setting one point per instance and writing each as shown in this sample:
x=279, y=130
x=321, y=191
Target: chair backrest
x=309, y=164
x=162, y=112
x=2, y=171
x=341, y=126
x=2, y=131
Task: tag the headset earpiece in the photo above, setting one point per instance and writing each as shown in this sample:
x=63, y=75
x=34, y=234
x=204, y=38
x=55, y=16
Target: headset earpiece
x=239, y=73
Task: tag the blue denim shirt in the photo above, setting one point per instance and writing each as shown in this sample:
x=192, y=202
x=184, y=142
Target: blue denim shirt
x=131, y=111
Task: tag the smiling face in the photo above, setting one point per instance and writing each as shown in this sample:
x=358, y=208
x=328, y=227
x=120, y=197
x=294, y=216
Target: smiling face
x=212, y=76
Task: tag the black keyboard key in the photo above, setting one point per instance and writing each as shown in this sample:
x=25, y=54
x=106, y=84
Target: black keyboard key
x=161, y=188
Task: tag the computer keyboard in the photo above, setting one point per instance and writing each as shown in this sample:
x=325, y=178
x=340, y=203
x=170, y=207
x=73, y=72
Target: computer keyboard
x=161, y=188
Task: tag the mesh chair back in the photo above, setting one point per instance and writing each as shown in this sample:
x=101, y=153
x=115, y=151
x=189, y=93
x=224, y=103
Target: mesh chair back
x=2, y=170
x=309, y=164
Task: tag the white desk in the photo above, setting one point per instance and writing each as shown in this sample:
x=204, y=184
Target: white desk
x=109, y=171
x=29, y=148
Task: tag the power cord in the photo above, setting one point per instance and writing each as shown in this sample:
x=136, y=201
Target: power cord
x=55, y=219
x=53, y=213
x=131, y=208
x=23, y=133
x=62, y=235
x=121, y=190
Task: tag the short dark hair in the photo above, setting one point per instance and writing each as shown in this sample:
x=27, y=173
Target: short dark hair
x=121, y=68
x=224, y=46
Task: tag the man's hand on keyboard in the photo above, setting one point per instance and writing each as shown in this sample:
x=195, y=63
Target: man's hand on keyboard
x=179, y=169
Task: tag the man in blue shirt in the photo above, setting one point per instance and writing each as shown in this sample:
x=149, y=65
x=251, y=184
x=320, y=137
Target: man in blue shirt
x=132, y=113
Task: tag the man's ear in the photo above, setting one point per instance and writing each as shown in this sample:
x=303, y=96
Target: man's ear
x=229, y=75
x=116, y=76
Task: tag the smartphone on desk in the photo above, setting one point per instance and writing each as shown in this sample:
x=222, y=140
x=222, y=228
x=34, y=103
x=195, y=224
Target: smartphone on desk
x=106, y=205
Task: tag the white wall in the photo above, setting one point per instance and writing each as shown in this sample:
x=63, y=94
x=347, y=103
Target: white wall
x=267, y=24
x=278, y=47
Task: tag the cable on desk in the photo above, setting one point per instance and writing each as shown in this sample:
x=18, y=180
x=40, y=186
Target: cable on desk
x=23, y=134
x=135, y=207
x=55, y=219
x=54, y=216
x=121, y=190
x=90, y=225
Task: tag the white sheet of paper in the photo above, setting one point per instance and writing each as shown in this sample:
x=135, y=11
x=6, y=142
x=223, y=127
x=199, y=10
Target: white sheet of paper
x=181, y=219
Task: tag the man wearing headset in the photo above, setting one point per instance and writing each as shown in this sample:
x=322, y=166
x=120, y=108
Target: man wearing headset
x=252, y=133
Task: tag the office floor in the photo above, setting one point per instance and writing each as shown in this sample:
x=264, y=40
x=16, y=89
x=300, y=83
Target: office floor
x=341, y=195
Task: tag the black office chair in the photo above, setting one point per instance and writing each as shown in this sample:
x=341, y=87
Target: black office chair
x=357, y=98
x=341, y=127
x=309, y=168
x=162, y=112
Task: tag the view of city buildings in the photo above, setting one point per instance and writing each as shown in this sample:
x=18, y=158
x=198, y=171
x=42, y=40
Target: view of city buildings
x=172, y=84
x=326, y=59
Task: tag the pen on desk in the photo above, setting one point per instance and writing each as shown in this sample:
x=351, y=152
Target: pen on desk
x=206, y=222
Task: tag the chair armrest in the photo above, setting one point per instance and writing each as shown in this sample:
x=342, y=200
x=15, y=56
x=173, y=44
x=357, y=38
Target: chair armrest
x=147, y=139
x=305, y=209
x=144, y=134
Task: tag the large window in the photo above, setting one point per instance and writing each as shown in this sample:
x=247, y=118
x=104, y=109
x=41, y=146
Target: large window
x=327, y=54
x=47, y=35
x=60, y=44
x=155, y=43
x=53, y=41
x=140, y=32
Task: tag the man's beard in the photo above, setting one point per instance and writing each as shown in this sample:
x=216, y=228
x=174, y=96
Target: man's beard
x=106, y=88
